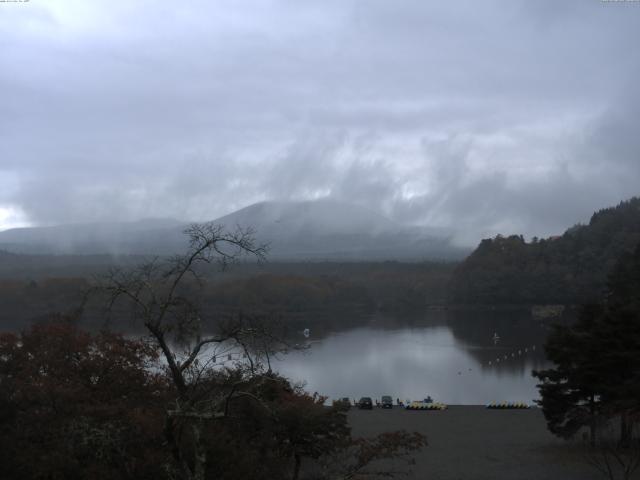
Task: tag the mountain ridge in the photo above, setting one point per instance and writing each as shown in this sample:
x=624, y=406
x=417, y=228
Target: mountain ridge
x=308, y=230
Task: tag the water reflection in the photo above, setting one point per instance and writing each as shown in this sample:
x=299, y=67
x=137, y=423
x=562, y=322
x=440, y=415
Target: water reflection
x=450, y=356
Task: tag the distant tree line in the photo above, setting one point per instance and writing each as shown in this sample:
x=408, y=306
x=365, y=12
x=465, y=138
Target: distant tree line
x=293, y=291
x=569, y=269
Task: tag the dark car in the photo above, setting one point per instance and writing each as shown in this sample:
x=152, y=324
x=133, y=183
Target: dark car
x=365, y=403
x=386, y=401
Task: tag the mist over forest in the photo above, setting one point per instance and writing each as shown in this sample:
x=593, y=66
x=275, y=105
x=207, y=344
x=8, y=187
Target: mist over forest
x=322, y=240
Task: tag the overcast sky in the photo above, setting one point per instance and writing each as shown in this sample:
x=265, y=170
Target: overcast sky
x=483, y=116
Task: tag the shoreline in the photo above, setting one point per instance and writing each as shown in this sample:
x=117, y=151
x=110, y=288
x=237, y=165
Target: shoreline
x=473, y=442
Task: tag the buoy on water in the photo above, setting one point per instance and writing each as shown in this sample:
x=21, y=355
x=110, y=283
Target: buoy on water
x=508, y=405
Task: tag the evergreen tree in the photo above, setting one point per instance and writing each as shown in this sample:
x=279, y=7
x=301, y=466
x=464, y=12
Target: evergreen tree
x=619, y=334
x=597, y=360
x=571, y=390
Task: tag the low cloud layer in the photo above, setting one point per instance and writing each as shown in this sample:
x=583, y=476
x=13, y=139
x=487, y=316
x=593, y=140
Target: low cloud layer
x=480, y=117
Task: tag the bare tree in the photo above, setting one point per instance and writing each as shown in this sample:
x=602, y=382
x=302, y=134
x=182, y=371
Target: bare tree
x=211, y=368
x=162, y=294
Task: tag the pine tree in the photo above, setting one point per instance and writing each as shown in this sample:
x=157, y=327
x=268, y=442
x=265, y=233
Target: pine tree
x=619, y=333
x=597, y=360
x=571, y=392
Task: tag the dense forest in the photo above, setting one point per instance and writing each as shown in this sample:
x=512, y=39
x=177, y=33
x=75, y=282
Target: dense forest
x=568, y=269
x=323, y=291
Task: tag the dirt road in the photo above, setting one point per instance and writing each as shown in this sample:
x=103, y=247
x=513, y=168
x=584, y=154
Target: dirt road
x=471, y=442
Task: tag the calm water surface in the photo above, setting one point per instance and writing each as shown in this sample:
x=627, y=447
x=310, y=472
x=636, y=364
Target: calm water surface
x=454, y=358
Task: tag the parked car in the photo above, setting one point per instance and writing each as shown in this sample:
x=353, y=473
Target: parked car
x=365, y=403
x=386, y=401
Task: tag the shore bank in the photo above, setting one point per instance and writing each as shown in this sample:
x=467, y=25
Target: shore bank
x=472, y=442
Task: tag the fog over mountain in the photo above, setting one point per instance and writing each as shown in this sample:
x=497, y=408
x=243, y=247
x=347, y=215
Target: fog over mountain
x=480, y=118
x=322, y=217
x=143, y=236
x=327, y=229
x=310, y=230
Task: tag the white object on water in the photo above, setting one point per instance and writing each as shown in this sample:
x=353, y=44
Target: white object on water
x=306, y=332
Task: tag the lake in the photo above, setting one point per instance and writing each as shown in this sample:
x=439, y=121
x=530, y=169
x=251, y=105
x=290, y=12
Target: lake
x=455, y=357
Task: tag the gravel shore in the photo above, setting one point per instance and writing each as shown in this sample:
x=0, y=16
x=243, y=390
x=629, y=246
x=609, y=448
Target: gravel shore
x=472, y=442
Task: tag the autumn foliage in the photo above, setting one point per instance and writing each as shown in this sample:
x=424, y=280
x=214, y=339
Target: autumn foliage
x=76, y=405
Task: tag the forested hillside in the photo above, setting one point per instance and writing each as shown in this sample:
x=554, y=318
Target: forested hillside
x=568, y=269
x=33, y=286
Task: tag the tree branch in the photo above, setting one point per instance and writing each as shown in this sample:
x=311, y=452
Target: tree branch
x=196, y=351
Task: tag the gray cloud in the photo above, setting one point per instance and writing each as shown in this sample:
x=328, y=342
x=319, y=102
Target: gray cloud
x=477, y=117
